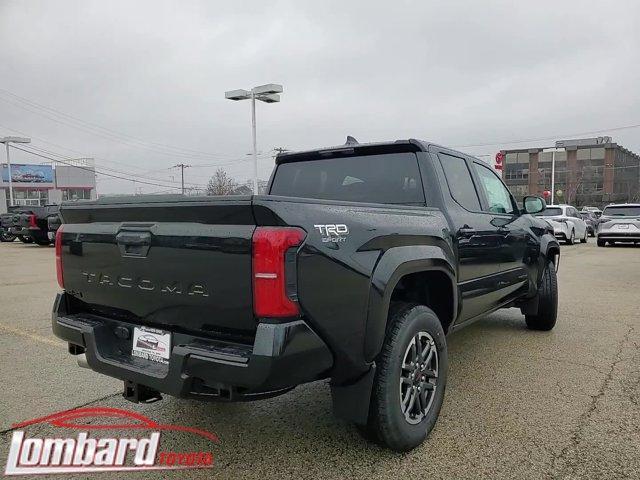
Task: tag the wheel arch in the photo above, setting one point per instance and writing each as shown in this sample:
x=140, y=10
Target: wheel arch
x=418, y=263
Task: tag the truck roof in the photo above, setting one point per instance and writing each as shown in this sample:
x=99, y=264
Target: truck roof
x=349, y=148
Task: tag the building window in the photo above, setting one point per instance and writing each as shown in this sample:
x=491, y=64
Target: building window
x=76, y=194
x=31, y=197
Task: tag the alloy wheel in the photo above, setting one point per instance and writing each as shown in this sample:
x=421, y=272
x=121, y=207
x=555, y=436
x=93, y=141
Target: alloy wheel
x=418, y=379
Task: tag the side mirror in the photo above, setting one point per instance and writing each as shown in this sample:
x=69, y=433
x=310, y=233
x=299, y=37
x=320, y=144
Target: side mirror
x=533, y=204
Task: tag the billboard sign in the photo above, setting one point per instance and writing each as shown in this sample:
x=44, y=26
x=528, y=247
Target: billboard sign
x=21, y=173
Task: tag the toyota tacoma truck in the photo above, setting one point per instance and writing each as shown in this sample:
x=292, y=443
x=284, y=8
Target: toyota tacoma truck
x=355, y=267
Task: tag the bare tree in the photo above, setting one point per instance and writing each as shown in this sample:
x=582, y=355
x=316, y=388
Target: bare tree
x=221, y=183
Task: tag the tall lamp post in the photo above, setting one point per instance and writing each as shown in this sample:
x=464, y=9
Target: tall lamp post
x=7, y=141
x=553, y=170
x=265, y=93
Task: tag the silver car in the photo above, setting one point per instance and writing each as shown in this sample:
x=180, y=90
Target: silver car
x=619, y=223
x=567, y=223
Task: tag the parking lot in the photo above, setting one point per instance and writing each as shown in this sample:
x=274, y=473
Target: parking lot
x=519, y=404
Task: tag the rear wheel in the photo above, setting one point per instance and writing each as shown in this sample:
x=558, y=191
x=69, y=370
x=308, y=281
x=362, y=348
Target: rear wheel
x=586, y=236
x=24, y=239
x=601, y=243
x=545, y=318
x=572, y=238
x=43, y=242
x=7, y=237
x=410, y=380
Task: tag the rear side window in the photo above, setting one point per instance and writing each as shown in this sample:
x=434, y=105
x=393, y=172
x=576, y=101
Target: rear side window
x=460, y=183
x=390, y=178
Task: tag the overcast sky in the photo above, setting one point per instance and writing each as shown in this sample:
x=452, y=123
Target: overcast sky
x=140, y=86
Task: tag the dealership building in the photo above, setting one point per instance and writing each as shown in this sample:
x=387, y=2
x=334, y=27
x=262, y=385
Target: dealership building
x=588, y=171
x=37, y=185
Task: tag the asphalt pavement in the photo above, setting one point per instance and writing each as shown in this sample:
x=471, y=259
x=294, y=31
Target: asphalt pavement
x=519, y=404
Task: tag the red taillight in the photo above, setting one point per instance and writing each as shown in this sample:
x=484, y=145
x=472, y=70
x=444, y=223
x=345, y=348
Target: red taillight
x=270, y=246
x=32, y=221
x=59, y=257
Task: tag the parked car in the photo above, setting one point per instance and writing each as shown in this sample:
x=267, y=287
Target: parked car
x=354, y=267
x=53, y=223
x=36, y=223
x=10, y=228
x=5, y=226
x=619, y=223
x=594, y=210
x=566, y=222
x=591, y=220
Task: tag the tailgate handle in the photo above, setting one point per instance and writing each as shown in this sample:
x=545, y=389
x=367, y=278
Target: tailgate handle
x=134, y=244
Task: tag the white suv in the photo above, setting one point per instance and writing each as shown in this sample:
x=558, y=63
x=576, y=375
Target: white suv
x=567, y=223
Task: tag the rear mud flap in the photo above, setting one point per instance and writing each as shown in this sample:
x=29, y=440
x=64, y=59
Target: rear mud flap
x=351, y=401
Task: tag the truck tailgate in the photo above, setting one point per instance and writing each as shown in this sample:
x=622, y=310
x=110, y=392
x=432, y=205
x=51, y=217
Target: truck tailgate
x=171, y=262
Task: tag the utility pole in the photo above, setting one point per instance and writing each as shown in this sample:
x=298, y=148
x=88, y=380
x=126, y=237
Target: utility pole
x=182, y=166
x=6, y=141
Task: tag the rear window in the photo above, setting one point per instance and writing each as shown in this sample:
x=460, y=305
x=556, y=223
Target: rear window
x=550, y=212
x=622, y=211
x=390, y=178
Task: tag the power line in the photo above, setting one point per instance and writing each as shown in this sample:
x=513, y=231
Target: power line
x=554, y=137
x=93, y=170
x=93, y=128
x=140, y=175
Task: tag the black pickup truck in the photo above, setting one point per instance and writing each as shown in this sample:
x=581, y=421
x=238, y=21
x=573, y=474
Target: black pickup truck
x=354, y=268
x=34, y=222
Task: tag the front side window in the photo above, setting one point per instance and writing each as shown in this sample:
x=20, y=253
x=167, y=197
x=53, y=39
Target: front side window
x=498, y=196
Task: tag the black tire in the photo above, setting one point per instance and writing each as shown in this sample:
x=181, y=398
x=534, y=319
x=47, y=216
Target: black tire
x=24, y=239
x=398, y=430
x=586, y=236
x=7, y=237
x=43, y=242
x=572, y=238
x=601, y=243
x=547, y=314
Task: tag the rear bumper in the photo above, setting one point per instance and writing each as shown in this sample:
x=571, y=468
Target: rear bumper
x=619, y=236
x=283, y=355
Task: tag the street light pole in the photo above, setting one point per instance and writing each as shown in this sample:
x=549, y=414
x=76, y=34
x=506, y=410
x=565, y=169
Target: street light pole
x=9, y=173
x=553, y=176
x=6, y=141
x=265, y=93
x=553, y=170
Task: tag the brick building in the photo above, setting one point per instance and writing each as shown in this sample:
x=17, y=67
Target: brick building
x=589, y=171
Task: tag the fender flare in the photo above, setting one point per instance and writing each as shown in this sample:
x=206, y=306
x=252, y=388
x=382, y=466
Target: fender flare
x=392, y=266
x=548, y=242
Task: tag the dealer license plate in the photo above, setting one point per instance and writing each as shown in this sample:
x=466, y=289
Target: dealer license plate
x=151, y=344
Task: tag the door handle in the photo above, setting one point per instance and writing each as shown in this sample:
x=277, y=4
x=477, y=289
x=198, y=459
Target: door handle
x=134, y=244
x=466, y=232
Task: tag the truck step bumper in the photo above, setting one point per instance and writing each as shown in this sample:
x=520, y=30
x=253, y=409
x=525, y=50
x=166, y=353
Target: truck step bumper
x=282, y=356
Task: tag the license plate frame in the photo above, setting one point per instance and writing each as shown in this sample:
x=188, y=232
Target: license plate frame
x=151, y=344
